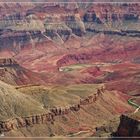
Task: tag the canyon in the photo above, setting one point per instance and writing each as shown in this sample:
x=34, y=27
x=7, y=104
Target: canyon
x=48, y=117
x=69, y=69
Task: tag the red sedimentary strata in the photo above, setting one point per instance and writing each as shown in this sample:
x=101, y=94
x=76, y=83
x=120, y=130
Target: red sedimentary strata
x=20, y=122
x=128, y=51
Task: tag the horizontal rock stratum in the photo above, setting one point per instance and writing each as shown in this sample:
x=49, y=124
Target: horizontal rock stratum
x=5, y=62
x=20, y=122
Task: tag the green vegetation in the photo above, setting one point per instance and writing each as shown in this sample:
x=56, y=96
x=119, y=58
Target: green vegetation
x=75, y=67
x=130, y=101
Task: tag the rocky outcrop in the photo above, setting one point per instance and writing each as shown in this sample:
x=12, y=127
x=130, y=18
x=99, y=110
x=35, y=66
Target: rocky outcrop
x=58, y=27
x=20, y=122
x=129, y=127
x=76, y=24
x=101, y=13
x=64, y=25
x=16, y=40
x=113, y=19
x=6, y=62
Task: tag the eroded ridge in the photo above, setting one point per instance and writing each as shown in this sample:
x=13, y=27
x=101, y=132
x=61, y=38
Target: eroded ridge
x=20, y=122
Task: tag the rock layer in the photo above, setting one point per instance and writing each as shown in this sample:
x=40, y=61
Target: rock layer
x=20, y=122
x=4, y=62
x=129, y=127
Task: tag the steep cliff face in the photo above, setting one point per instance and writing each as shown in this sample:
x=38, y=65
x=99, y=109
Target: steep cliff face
x=108, y=13
x=31, y=29
x=57, y=31
x=117, y=19
x=129, y=127
x=16, y=40
x=108, y=53
x=33, y=23
x=64, y=25
x=16, y=123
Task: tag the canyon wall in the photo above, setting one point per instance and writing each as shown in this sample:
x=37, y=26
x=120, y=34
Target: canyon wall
x=15, y=40
x=31, y=23
x=101, y=13
x=4, y=62
x=111, y=53
x=20, y=122
x=129, y=127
